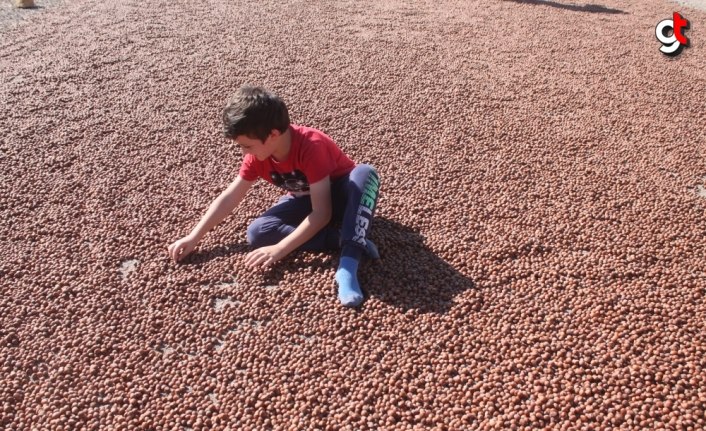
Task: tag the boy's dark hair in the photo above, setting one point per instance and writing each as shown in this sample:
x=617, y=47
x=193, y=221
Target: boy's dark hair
x=254, y=112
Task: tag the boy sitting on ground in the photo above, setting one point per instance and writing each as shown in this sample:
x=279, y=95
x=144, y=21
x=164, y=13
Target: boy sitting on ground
x=324, y=188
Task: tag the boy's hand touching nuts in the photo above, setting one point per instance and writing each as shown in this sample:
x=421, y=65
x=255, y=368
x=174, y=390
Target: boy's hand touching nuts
x=182, y=248
x=263, y=256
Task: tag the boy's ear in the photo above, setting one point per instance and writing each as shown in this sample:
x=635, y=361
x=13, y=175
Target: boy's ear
x=274, y=133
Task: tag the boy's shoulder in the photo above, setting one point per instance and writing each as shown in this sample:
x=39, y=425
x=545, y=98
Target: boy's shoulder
x=310, y=134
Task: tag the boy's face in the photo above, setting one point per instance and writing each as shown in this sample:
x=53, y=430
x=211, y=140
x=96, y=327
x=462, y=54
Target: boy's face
x=261, y=150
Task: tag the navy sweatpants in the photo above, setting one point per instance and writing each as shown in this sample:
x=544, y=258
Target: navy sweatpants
x=353, y=200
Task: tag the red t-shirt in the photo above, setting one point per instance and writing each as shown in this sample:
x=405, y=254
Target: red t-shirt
x=312, y=157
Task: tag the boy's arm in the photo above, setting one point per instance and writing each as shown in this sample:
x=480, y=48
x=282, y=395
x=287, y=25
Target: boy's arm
x=319, y=217
x=221, y=207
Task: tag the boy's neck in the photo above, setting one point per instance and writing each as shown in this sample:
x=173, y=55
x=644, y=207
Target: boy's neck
x=282, y=146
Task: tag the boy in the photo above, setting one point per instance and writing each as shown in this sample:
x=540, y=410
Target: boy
x=323, y=186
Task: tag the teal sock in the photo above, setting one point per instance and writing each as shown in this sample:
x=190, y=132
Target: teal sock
x=349, y=292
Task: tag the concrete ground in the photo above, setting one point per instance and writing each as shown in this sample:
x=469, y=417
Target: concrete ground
x=696, y=4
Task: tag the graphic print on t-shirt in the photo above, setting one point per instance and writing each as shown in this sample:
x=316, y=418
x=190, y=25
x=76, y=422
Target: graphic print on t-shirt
x=292, y=182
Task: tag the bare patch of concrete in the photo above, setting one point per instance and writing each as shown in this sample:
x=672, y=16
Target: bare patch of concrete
x=165, y=350
x=694, y=4
x=700, y=189
x=227, y=284
x=254, y=324
x=220, y=303
x=11, y=16
x=127, y=267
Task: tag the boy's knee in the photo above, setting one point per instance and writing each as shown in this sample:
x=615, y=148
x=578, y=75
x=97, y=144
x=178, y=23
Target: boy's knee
x=365, y=175
x=365, y=169
x=252, y=232
x=259, y=232
x=256, y=232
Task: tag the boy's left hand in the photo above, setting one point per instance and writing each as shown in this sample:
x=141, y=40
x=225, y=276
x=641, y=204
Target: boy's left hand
x=263, y=256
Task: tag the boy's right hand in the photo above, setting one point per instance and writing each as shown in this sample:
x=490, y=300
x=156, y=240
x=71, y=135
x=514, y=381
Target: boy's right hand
x=182, y=248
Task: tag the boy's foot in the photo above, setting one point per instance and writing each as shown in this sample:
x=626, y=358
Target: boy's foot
x=371, y=250
x=349, y=292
